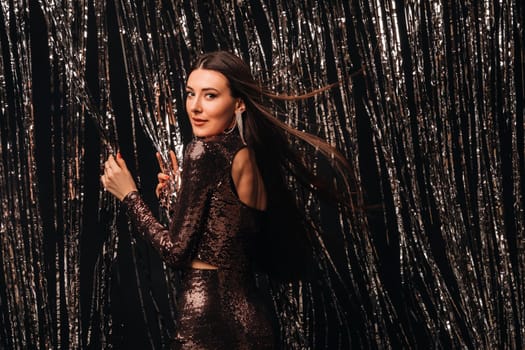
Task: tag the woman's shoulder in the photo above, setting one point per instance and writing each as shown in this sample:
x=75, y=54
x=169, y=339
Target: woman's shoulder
x=219, y=147
x=202, y=163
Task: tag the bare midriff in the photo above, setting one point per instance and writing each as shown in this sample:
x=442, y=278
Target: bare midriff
x=197, y=264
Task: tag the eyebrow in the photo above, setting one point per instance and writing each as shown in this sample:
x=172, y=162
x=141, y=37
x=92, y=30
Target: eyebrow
x=205, y=89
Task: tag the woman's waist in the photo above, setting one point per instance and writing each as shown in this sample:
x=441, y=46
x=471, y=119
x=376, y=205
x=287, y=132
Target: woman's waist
x=224, y=277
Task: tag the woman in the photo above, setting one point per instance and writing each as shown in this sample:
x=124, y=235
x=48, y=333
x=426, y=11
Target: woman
x=233, y=181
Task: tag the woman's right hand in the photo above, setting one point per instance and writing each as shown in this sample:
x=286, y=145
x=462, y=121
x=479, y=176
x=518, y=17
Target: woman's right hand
x=117, y=178
x=164, y=175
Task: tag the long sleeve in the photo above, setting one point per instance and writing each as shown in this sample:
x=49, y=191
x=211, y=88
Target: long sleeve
x=176, y=245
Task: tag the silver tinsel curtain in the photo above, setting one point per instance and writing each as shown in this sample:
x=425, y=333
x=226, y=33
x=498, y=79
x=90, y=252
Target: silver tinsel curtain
x=429, y=110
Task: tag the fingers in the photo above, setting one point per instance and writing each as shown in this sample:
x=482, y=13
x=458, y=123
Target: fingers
x=110, y=163
x=162, y=177
x=120, y=161
x=110, y=167
x=116, y=178
x=158, y=189
x=113, y=164
x=103, y=181
x=163, y=181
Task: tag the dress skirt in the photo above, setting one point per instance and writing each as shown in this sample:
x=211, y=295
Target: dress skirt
x=221, y=309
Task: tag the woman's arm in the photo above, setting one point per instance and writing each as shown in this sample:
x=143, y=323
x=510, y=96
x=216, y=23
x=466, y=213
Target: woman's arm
x=176, y=244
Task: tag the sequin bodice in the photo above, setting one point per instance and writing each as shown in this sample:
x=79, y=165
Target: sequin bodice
x=209, y=221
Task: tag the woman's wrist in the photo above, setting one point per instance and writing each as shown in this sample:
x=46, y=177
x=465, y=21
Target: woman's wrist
x=130, y=196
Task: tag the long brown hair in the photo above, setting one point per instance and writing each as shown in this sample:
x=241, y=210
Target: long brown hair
x=285, y=250
x=269, y=136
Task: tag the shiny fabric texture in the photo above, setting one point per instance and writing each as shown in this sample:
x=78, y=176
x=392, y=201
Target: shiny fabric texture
x=209, y=221
x=430, y=112
x=221, y=309
x=218, y=309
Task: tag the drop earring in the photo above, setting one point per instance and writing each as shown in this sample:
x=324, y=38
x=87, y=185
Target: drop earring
x=240, y=126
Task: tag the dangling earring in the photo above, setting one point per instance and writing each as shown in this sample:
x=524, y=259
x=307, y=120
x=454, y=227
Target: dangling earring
x=239, y=122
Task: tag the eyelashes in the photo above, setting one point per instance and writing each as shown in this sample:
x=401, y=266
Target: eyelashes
x=207, y=95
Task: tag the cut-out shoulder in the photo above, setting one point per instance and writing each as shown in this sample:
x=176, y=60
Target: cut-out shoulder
x=248, y=180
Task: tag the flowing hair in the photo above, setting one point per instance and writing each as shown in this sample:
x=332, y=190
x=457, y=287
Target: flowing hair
x=270, y=137
x=291, y=258
x=285, y=250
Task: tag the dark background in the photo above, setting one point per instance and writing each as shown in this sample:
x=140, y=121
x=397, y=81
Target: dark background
x=138, y=291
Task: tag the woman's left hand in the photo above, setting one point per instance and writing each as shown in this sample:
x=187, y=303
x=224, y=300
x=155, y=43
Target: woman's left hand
x=117, y=179
x=164, y=176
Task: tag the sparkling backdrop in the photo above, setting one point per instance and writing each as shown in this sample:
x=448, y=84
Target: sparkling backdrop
x=429, y=110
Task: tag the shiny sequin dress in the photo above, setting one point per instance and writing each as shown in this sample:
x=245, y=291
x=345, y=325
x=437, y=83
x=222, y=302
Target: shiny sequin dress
x=218, y=309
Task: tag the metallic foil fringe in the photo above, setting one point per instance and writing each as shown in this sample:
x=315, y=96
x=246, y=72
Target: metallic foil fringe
x=429, y=111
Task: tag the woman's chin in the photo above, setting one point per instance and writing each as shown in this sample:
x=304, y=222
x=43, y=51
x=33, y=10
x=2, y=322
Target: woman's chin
x=204, y=132
x=199, y=131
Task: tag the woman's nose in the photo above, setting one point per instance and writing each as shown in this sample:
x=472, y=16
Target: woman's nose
x=195, y=104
